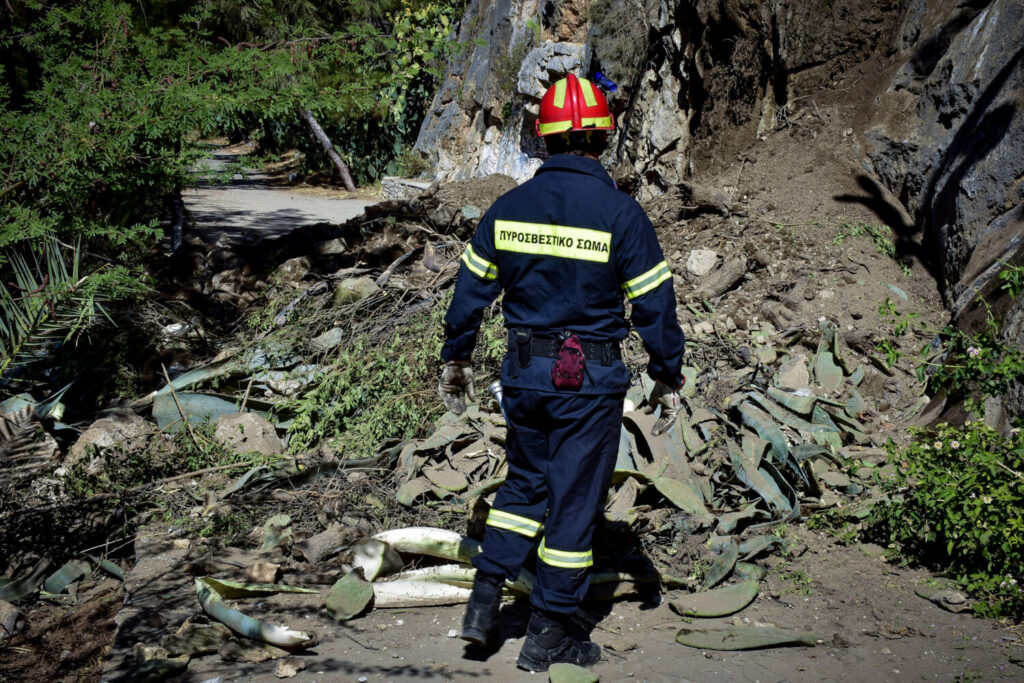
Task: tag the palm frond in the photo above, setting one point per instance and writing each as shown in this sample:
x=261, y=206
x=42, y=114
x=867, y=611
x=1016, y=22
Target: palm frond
x=47, y=303
x=22, y=452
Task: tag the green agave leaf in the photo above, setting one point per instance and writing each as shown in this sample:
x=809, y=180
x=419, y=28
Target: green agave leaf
x=682, y=496
x=230, y=590
x=70, y=572
x=722, y=565
x=743, y=637
x=19, y=588
x=716, y=603
x=280, y=636
x=349, y=596
x=798, y=404
x=748, y=571
x=765, y=427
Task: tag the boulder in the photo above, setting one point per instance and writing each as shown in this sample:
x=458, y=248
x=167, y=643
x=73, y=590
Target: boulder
x=126, y=431
x=248, y=432
x=700, y=262
x=293, y=270
x=353, y=289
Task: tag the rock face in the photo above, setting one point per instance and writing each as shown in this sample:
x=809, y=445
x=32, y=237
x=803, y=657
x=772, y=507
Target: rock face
x=947, y=136
x=941, y=129
x=697, y=80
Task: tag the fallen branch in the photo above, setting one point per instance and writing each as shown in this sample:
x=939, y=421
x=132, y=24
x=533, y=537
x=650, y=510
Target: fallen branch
x=319, y=134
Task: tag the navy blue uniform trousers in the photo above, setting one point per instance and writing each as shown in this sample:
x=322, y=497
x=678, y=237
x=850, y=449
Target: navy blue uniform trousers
x=561, y=451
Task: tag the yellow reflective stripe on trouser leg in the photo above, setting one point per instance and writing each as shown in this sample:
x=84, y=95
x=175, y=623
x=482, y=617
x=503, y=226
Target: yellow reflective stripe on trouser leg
x=565, y=559
x=509, y=522
x=648, y=281
x=479, y=266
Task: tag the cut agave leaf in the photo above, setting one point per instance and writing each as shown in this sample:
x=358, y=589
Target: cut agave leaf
x=440, y=543
x=682, y=496
x=742, y=637
x=570, y=673
x=277, y=531
x=722, y=565
x=72, y=571
x=376, y=558
x=716, y=603
x=108, y=566
x=827, y=372
x=748, y=571
x=19, y=588
x=349, y=596
x=411, y=491
x=212, y=603
x=765, y=427
x=752, y=547
x=795, y=402
x=406, y=593
x=231, y=590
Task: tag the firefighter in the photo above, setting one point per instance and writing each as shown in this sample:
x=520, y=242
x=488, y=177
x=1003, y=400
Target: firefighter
x=567, y=249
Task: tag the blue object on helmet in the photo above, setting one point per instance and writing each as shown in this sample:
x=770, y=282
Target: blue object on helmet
x=605, y=83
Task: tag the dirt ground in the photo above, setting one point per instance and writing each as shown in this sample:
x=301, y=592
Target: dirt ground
x=870, y=625
x=790, y=207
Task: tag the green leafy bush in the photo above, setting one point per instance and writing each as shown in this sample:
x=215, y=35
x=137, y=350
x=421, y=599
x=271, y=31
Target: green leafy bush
x=975, y=366
x=957, y=505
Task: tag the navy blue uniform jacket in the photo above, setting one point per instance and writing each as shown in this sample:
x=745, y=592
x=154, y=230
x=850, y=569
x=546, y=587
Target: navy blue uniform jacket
x=567, y=248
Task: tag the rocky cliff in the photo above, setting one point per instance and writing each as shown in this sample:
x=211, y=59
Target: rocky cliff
x=937, y=116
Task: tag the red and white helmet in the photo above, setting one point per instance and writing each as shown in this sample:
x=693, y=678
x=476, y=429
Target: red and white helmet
x=573, y=104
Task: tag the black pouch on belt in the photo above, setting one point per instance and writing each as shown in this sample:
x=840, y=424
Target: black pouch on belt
x=570, y=363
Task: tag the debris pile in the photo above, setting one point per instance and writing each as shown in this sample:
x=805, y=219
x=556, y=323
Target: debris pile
x=787, y=409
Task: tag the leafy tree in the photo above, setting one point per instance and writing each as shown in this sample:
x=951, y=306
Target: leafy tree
x=102, y=100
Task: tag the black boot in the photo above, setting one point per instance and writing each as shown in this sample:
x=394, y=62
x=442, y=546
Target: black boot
x=548, y=642
x=480, y=625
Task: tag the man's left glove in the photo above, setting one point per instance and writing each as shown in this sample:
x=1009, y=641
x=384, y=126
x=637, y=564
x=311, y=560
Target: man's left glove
x=456, y=382
x=671, y=405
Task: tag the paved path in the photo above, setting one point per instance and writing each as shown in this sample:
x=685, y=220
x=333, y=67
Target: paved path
x=250, y=204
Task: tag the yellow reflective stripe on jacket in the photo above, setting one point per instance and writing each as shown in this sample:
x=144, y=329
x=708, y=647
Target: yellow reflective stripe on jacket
x=480, y=267
x=509, y=522
x=588, y=92
x=648, y=281
x=559, y=100
x=565, y=559
x=560, y=241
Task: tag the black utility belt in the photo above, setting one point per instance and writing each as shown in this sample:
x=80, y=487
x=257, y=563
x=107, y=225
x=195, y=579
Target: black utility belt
x=548, y=348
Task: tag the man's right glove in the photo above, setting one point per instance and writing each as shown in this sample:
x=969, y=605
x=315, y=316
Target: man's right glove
x=671, y=405
x=456, y=382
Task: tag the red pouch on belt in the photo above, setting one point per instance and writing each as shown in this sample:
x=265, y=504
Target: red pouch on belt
x=567, y=372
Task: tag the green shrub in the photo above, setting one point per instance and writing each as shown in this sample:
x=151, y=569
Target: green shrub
x=957, y=505
x=377, y=389
x=975, y=366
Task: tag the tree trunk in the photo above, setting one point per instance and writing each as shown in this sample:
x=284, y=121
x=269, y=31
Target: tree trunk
x=177, y=218
x=317, y=131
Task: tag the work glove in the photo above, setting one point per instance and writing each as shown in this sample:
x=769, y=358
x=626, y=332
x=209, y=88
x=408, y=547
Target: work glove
x=456, y=382
x=671, y=405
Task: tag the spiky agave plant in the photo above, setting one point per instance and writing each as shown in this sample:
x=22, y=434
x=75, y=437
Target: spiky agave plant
x=48, y=302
